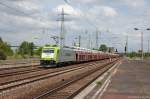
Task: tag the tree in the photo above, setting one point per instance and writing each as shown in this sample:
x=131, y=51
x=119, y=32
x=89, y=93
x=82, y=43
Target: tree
x=5, y=50
x=1, y=41
x=26, y=48
x=38, y=51
x=31, y=48
x=103, y=48
x=2, y=55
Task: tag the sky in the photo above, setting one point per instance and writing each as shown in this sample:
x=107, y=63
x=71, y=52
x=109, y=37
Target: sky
x=37, y=20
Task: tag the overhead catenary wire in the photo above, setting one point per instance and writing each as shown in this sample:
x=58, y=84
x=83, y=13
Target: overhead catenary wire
x=12, y=8
x=82, y=15
x=19, y=11
x=88, y=22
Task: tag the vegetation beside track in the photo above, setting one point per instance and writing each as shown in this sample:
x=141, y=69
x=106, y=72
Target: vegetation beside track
x=137, y=55
x=5, y=50
x=25, y=50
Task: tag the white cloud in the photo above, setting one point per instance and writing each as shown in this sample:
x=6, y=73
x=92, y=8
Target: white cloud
x=24, y=23
x=134, y=3
x=103, y=11
x=27, y=5
x=129, y=3
x=84, y=1
x=67, y=9
x=22, y=8
x=109, y=11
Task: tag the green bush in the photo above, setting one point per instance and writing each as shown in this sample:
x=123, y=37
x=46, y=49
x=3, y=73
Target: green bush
x=103, y=48
x=38, y=51
x=99, y=83
x=26, y=49
x=132, y=54
x=2, y=55
x=5, y=50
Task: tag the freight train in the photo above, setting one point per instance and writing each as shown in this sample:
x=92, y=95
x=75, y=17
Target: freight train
x=55, y=56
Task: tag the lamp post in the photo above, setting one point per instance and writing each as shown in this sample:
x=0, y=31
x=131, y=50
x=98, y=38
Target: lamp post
x=142, y=54
x=148, y=46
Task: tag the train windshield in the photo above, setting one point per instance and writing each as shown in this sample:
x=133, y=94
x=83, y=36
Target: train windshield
x=48, y=51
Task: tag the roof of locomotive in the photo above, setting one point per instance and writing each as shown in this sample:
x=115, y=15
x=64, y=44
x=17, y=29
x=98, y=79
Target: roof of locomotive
x=78, y=49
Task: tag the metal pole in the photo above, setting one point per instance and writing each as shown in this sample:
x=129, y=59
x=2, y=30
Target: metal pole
x=62, y=34
x=86, y=33
x=127, y=44
x=96, y=39
x=142, y=45
x=79, y=40
x=148, y=46
x=89, y=41
x=62, y=29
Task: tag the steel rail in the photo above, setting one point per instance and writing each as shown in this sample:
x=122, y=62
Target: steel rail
x=70, y=82
x=48, y=75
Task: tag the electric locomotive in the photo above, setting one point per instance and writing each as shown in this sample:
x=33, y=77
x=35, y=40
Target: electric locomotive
x=54, y=56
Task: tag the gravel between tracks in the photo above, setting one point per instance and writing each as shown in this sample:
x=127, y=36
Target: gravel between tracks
x=15, y=71
x=73, y=88
x=18, y=63
x=33, y=89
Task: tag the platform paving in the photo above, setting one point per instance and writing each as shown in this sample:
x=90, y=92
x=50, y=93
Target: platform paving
x=131, y=81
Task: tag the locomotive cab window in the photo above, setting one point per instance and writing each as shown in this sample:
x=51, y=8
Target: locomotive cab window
x=48, y=51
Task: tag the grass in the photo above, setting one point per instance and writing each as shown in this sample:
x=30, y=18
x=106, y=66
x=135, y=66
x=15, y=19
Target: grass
x=135, y=58
x=16, y=56
x=99, y=83
x=0, y=61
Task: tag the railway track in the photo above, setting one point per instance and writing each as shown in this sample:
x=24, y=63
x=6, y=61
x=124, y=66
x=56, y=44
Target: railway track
x=12, y=73
x=56, y=75
x=9, y=84
x=18, y=70
x=72, y=87
x=18, y=67
x=14, y=62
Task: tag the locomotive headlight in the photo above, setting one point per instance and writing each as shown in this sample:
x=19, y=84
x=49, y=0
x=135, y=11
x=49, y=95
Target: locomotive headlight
x=47, y=55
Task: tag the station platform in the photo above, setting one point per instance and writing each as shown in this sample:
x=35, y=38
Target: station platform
x=131, y=81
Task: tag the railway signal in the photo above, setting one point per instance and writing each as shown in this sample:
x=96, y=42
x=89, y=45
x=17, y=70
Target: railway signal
x=126, y=46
